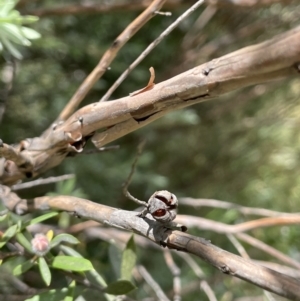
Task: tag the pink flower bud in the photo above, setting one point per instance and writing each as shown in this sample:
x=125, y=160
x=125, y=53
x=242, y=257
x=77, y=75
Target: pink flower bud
x=40, y=244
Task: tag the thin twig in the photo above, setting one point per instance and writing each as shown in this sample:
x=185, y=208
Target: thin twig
x=42, y=181
x=245, y=255
x=268, y=249
x=193, y=264
x=149, y=49
x=128, y=181
x=238, y=246
x=153, y=284
x=218, y=227
x=208, y=291
x=269, y=296
x=108, y=57
x=200, y=23
x=200, y=274
x=227, y=205
x=175, y=270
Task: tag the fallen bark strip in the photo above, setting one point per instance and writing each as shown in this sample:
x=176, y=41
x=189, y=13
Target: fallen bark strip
x=271, y=60
x=226, y=262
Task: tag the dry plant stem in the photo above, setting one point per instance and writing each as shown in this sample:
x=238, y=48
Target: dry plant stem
x=199, y=273
x=108, y=57
x=96, y=8
x=193, y=264
x=93, y=232
x=238, y=246
x=245, y=255
x=13, y=154
x=152, y=283
x=200, y=23
x=227, y=205
x=117, y=83
x=274, y=59
x=208, y=291
x=128, y=181
x=268, y=249
x=127, y=220
x=98, y=233
x=176, y=274
x=295, y=273
x=45, y=181
x=206, y=224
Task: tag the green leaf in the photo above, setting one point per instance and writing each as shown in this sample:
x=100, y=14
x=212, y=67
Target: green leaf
x=52, y=295
x=64, y=238
x=71, y=291
x=69, y=251
x=7, y=6
x=115, y=258
x=14, y=52
x=41, y=218
x=14, y=34
x=23, y=267
x=120, y=287
x=93, y=276
x=70, y=263
x=29, y=33
x=8, y=234
x=128, y=260
x=22, y=239
x=44, y=270
x=29, y=19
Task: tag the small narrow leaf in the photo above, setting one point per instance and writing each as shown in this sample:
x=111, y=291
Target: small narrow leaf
x=29, y=19
x=8, y=234
x=70, y=263
x=29, y=33
x=41, y=218
x=44, y=270
x=128, y=260
x=23, y=267
x=22, y=239
x=14, y=33
x=120, y=287
x=115, y=257
x=11, y=48
x=64, y=238
x=91, y=275
x=52, y=295
x=7, y=6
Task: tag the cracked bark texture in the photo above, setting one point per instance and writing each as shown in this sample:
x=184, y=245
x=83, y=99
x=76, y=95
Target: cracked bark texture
x=273, y=59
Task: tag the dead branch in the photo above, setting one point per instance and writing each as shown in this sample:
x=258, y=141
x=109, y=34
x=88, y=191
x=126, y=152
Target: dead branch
x=226, y=262
x=206, y=224
x=268, y=249
x=152, y=283
x=42, y=181
x=150, y=47
x=96, y=8
x=198, y=203
x=108, y=57
x=271, y=60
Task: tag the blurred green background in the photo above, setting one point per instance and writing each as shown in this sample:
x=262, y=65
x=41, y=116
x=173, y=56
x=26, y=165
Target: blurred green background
x=243, y=147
